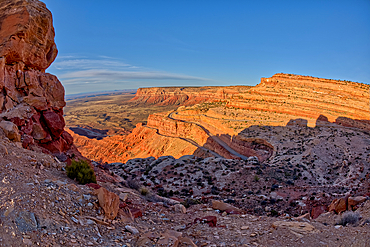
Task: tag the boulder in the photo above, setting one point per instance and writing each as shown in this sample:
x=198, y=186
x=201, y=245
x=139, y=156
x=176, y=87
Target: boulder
x=339, y=205
x=222, y=206
x=54, y=91
x=32, y=99
x=210, y=220
x=55, y=146
x=297, y=122
x=11, y=130
x=27, y=140
x=67, y=137
x=300, y=229
x=317, y=211
x=55, y=123
x=3, y=150
x=323, y=121
x=109, y=201
x=27, y=34
x=136, y=212
x=179, y=208
x=169, y=238
x=354, y=201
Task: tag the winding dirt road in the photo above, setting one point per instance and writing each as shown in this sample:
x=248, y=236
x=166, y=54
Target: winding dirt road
x=215, y=138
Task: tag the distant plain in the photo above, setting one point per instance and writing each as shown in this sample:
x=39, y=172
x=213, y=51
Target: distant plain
x=114, y=112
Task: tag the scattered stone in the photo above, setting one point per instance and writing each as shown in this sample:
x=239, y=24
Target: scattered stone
x=123, y=196
x=354, y=201
x=306, y=217
x=109, y=201
x=339, y=205
x=26, y=221
x=179, y=208
x=27, y=241
x=222, y=206
x=317, y=211
x=132, y=229
x=11, y=130
x=169, y=238
x=297, y=228
x=3, y=150
x=210, y=220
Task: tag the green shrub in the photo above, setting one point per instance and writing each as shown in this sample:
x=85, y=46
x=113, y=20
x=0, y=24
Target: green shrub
x=81, y=171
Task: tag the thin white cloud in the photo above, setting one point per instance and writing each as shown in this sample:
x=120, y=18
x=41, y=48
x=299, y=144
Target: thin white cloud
x=124, y=75
x=80, y=74
x=76, y=64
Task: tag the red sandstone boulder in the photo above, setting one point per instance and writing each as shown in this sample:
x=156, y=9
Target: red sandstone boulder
x=30, y=98
x=10, y=130
x=109, y=201
x=317, y=211
x=56, y=146
x=55, y=123
x=222, y=206
x=339, y=205
x=136, y=212
x=27, y=140
x=354, y=201
x=67, y=137
x=54, y=90
x=27, y=34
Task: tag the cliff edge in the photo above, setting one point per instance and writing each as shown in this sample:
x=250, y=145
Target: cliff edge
x=31, y=101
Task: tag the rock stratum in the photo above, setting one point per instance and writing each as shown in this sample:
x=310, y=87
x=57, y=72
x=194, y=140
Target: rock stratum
x=209, y=119
x=282, y=97
x=31, y=101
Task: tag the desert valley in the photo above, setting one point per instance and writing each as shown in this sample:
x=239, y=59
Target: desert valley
x=282, y=163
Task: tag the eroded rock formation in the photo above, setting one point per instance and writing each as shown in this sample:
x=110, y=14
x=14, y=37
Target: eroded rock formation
x=275, y=100
x=30, y=98
x=142, y=142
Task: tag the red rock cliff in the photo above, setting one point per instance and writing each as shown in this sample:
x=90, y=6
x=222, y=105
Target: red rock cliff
x=285, y=96
x=30, y=98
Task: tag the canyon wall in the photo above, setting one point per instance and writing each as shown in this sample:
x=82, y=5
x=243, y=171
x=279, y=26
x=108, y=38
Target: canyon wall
x=282, y=97
x=31, y=101
x=141, y=143
x=223, y=112
x=184, y=95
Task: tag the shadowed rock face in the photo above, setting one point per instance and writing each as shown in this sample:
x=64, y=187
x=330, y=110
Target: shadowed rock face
x=30, y=98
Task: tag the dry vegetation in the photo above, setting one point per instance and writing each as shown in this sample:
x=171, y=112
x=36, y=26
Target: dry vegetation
x=112, y=112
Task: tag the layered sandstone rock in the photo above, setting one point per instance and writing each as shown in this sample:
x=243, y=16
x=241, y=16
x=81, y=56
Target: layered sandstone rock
x=30, y=98
x=274, y=101
x=142, y=142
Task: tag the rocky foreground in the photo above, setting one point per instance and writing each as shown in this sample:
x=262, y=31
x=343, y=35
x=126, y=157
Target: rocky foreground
x=41, y=206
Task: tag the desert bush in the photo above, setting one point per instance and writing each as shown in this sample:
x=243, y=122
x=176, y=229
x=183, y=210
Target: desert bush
x=349, y=218
x=144, y=191
x=81, y=171
x=133, y=184
x=190, y=201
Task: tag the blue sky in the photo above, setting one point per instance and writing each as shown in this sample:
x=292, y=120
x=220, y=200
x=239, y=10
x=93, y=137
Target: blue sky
x=119, y=44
